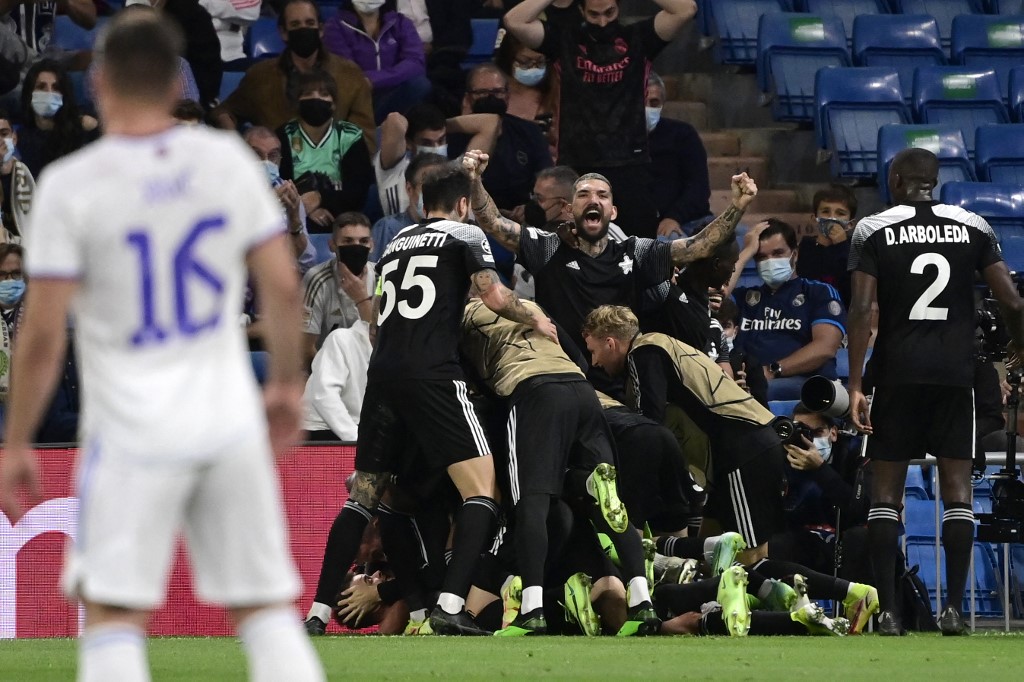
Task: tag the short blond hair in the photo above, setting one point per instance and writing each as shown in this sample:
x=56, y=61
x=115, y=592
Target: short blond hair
x=616, y=321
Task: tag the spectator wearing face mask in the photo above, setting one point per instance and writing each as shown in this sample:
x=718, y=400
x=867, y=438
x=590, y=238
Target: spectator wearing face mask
x=532, y=85
x=824, y=256
x=322, y=154
x=792, y=326
x=262, y=96
x=385, y=45
x=16, y=183
x=12, y=292
x=520, y=151
x=52, y=125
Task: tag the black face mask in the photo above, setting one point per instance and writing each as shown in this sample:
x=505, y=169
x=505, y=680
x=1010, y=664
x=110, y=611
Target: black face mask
x=602, y=34
x=315, y=111
x=534, y=214
x=304, y=41
x=353, y=256
x=489, y=104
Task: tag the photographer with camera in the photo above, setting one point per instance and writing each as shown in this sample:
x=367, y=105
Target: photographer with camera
x=917, y=261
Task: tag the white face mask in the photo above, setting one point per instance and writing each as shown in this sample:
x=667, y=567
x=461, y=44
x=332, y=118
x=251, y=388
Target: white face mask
x=824, y=445
x=440, y=149
x=529, y=77
x=653, y=116
x=775, y=271
x=367, y=6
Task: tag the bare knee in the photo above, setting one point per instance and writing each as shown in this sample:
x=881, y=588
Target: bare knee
x=105, y=614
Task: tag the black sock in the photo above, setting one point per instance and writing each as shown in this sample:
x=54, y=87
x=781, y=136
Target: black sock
x=405, y=551
x=342, y=545
x=672, y=600
x=957, y=542
x=883, y=546
x=554, y=612
x=755, y=579
x=684, y=548
x=489, y=617
x=531, y=537
x=627, y=546
x=764, y=623
x=474, y=529
x=819, y=585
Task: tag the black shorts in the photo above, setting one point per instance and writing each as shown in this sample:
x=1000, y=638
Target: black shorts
x=434, y=421
x=911, y=420
x=749, y=499
x=552, y=427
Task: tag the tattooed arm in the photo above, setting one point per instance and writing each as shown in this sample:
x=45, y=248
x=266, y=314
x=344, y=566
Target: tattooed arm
x=506, y=231
x=721, y=230
x=368, y=488
x=506, y=303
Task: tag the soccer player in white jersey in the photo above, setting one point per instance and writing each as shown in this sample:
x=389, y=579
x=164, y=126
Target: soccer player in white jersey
x=145, y=236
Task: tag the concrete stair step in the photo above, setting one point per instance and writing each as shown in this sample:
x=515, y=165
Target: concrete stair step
x=722, y=168
x=721, y=143
x=766, y=201
x=803, y=223
x=694, y=113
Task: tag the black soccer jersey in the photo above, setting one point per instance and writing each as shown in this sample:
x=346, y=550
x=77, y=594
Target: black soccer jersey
x=570, y=283
x=924, y=256
x=423, y=279
x=604, y=87
x=683, y=313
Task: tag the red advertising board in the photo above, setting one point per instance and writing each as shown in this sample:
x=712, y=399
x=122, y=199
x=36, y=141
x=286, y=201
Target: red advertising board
x=31, y=551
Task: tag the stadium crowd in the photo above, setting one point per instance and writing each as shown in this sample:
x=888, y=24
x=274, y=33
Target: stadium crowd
x=615, y=371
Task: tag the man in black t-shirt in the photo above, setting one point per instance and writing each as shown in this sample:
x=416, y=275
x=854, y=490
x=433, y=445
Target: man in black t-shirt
x=416, y=394
x=603, y=66
x=918, y=261
x=574, y=278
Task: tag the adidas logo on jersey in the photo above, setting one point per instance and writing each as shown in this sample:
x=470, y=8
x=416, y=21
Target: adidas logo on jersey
x=572, y=265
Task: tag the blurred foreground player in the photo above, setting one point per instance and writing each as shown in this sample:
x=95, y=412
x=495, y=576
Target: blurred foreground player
x=918, y=261
x=151, y=257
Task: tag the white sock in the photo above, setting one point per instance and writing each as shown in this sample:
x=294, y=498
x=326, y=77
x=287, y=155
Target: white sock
x=709, y=547
x=321, y=611
x=765, y=589
x=591, y=488
x=112, y=651
x=533, y=598
x=637, y=591
x=661, y=562
x=278, y=648
x=418, y=616
x=450, y=603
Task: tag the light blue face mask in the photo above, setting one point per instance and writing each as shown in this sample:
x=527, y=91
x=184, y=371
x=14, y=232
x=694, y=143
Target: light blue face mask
x=775, y=271
x=824, y=446
x=273, y=172
x=11, y=291
x=529, y=77
x=47, y=104
x=825, y=225
x=9, y=154
x=440, y=149
x=653, y=116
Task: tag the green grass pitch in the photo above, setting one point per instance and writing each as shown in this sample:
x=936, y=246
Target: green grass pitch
x=979, y=658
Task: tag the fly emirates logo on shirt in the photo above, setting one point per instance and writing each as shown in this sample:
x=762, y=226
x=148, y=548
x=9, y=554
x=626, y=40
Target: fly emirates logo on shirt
x=601, y=74
x=773, y=320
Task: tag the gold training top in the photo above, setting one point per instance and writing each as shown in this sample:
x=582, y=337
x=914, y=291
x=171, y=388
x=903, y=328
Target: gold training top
x=506, y=353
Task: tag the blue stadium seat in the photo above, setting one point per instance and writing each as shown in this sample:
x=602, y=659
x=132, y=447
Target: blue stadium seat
x=228, y=82
x=70, y=36
x=1017, y=94
x=734, y=26
x=322, y=244
x=852, y=104
x=999, y=153
x=782, y=408
x=847, y=10
x=992, y=42
x=901, y=41
x=943, y=10
x=264, y=38
x=1007, y=6
x=960, y=96
x=919, y=518
x=945, y=141
x=1001, y=205
x=791, y=48
x=704, y=17
x=485, y=36
x=988, y=588
x=916, y=488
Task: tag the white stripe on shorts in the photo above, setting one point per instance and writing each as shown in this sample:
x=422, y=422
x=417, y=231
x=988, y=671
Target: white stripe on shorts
x=513, y=458
x=482, y=448
x=741, y=509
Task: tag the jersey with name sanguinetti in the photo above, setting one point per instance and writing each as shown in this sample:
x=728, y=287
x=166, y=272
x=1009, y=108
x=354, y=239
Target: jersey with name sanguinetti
x=422, y=281
x=570, y=283
x=924, y=256
x=156, y=231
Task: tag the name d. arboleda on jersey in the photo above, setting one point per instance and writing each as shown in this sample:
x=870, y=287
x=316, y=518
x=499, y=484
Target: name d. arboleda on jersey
x=927, y=234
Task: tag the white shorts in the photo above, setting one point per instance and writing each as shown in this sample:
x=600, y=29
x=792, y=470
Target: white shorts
x=228, y=506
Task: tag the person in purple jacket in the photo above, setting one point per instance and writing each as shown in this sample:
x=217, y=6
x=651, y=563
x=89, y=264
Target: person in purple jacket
x=385, y=45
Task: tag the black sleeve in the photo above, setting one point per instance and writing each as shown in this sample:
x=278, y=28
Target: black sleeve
x=652, y=372
x=552, y=39
x=450, y=23
x=391, y=591
x=287, y=169
x=356, y=176
x=652, y=43
x=572, y=349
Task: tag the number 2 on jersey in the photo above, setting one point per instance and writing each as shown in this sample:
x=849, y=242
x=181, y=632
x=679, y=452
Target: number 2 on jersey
x=412, y=280
x=186, y=268
x=922, y=310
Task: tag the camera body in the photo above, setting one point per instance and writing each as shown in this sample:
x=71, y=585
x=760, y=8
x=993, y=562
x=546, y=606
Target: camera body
x=791, y=432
